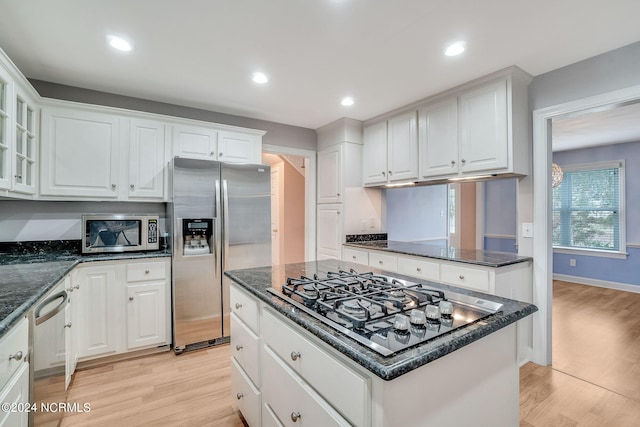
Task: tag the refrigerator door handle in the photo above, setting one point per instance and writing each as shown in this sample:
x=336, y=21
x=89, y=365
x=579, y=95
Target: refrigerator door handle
x=225, y=222
x=219, y=215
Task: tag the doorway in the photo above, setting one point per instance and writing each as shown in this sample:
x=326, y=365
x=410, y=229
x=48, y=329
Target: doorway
x=542, y=245
x=293, y=196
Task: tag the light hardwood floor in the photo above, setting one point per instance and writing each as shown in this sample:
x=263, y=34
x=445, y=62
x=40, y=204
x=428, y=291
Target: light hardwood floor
x=595, y=380
x=595, y=376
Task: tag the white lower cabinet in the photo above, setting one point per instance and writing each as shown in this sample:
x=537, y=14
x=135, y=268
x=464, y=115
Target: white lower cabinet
x=122, y=306
x=14, y=374
x=293, y=401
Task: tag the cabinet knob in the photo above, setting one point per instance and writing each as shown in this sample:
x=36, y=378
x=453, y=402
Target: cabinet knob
x=75, y=287
x=220, y=154
x=239, y=396
x=390, y=173
x=461, y=277
x=131, y=186
x=67, y=325
x=384, y=173
x=146, y=272
x=295, y=416
x=212, y=154
x=338, y=194
x=380, y=262
x=238, y=347
x=453, y=162
x=17, y=356
x=295, y=355
x=113, y=186
x=418, y=269
x=353, y=256
x=130, y=298
x=463, y=161
x=18, y=176
x=238, y=305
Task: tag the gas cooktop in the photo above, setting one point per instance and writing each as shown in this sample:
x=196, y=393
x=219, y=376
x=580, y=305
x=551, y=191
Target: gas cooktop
x=384, y=313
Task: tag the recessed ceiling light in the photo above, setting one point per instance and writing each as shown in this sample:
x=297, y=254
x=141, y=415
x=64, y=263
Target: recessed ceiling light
x=347, y=101
x=260, y=78
x=455, y=49
x=119, y=43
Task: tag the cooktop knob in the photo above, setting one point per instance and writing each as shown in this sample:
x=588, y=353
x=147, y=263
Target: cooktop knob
x=417, y=317
x=446, y=308
x=401, y=322
x=432, y=312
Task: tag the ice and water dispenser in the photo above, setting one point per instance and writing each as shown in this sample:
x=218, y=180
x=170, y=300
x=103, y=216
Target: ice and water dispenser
x=197, y=236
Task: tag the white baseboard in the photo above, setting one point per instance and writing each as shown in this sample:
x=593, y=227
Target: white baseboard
x=600, y=283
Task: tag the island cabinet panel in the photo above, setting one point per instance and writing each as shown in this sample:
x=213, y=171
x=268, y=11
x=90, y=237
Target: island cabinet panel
x=245, y=395
x=245, y=308
x=245, y=348
x=343, y=388
x=291, y=398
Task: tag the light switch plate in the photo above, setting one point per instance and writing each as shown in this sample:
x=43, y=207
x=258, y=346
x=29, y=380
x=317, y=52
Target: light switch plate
x=527, y=229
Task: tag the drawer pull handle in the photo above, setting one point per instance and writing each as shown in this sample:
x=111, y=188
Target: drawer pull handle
x=17, y=356
x=295, y=416
x=67, y=325
x=75, y=287
x=461, y=277
x=238, y=347
x=295, y=355
x=238, y=306
x=239, y=396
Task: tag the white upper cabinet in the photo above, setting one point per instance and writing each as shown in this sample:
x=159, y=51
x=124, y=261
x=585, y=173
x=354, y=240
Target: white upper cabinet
x=19, y=129
x=438, y=138
x=402, y=146
x=480, y=129
x=6, y=118
x=80, y=152
x=195, y=142
x=330, y=178
x=484, y=128
x=148, y=145
x=238, y=147
x=25, y=146
x=374, y=154
x=390, y=151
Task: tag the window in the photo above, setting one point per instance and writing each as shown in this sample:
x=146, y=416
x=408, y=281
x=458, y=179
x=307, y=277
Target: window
x=588, y=208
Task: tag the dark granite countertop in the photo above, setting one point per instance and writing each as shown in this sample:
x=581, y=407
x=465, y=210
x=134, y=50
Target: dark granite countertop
x=443, y=251
x=257, y=280
x=25, y=276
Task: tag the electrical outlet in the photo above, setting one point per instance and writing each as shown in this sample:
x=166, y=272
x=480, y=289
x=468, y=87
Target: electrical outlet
x=527, y=229
x=372, y=223
x=363, y=225
x=572, y=262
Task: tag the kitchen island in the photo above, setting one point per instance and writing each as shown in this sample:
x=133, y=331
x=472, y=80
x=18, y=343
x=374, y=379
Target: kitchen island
x=289, y=365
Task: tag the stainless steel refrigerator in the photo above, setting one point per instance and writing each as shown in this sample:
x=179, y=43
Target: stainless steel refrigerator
x=220, y=215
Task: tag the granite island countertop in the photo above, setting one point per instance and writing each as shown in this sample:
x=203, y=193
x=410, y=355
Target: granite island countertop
x=27, y=275
x=442, y=251
x=257, y=281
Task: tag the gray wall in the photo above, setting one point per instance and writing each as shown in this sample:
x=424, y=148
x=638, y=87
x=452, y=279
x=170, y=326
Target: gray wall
x=613, y=70
x=277, y=133
x=417, y=213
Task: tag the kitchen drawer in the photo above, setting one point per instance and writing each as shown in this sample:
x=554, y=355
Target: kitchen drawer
x=14, y=343
x=246, y=396
x=148, y=270
x=245, y=307
x=356, y=256
x=269, y=418
x=292, y=400
x=343, y=388
x=245, y=348
x=383, y=261
x=419, y=268
x=472, y=278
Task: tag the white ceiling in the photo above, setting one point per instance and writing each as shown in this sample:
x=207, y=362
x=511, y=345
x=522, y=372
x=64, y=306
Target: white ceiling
x=615, y=125
x=384, y=53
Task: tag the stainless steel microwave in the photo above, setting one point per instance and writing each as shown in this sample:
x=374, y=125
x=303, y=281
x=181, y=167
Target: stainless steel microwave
x=119, y=233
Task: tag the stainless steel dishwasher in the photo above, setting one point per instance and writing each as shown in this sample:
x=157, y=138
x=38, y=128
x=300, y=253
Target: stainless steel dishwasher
x=49, y=356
